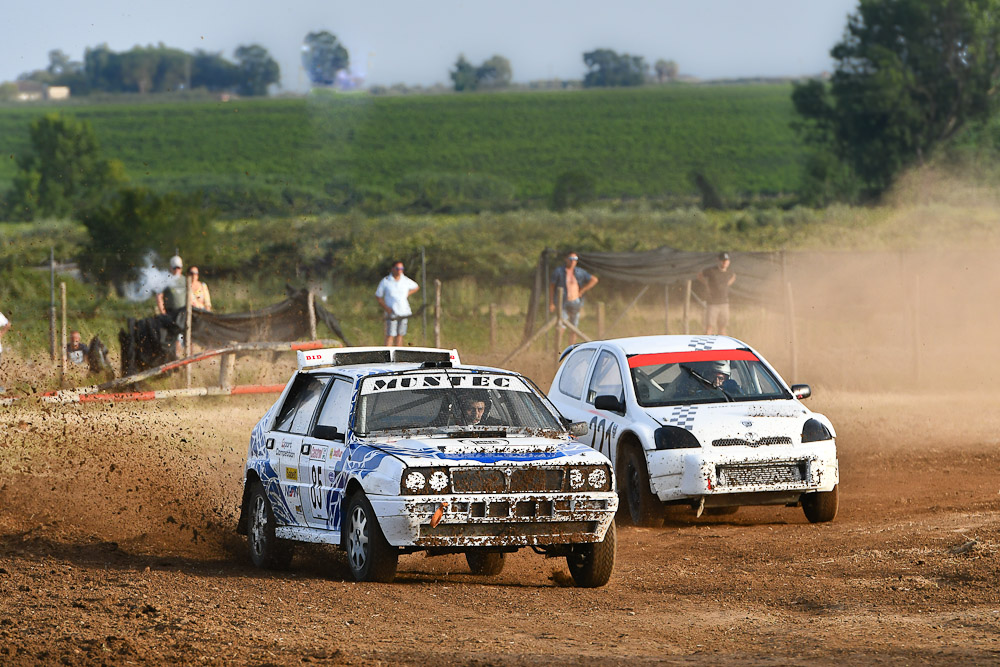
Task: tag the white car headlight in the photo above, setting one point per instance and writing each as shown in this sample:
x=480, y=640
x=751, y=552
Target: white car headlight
x=415, y=481
x=597, y=478
x=439, y=480
x=575, y=478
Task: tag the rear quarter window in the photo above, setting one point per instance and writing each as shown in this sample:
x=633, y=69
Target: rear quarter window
x=574, y=374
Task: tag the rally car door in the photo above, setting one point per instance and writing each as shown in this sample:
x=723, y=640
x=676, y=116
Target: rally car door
x=605, y=425
x=294, y=421
x=323, y=457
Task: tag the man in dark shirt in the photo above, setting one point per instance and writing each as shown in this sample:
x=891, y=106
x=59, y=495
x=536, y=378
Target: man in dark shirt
x=718, y=280
x=76, y=350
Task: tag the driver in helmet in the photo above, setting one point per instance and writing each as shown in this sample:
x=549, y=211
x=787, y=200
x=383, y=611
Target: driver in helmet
x=474, y=409
x=717, y=373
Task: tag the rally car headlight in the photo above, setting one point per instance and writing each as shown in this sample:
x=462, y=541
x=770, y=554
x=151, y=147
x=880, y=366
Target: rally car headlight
x=674, y=437
x=814, y=430
x=424, y=481
x=589, y=478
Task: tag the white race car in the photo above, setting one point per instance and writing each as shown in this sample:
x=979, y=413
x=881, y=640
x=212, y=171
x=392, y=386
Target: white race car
x=383, y=451
x=703, y=421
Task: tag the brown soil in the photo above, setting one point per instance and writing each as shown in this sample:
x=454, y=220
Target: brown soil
x=117, y=546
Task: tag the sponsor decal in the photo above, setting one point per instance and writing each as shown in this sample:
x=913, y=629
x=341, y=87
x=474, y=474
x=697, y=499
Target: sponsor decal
x=298, y=509
x=292, y=491
x=317, y=452
x=336, y=452
x=332, y=476
x=285, y=444
x=292, y=474
x=441, y=381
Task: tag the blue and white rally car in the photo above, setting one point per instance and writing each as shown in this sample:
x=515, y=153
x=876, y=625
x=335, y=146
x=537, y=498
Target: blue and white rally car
x=703, y=421
x=383, y=451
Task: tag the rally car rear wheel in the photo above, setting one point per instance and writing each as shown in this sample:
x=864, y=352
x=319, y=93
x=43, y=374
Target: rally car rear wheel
x=485, y=562
x=644, y=508
x=369, y=554
x=591, y=565
x=266, y=550
x=821, y=506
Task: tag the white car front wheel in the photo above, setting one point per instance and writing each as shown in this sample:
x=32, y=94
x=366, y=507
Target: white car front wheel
x=369, y=555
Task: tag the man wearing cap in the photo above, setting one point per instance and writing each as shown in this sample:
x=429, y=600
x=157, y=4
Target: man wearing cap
x=174, y=295
x=393, y=294
x=575, y=282
x=718, y=279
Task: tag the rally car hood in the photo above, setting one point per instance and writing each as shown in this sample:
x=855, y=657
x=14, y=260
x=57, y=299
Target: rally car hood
x=749, y=421
x=488, y=450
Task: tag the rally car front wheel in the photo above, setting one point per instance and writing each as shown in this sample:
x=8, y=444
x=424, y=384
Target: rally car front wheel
x=821, y=506
x=487, y=563
x=591, y=565
x=266, y=550
x=369, y=554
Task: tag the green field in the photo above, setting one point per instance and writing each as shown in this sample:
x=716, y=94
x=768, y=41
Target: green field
x=331, y=151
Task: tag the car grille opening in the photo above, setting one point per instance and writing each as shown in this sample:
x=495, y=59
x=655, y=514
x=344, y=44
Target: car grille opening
x=762, y=442
x=761, y=474
x=494, y=480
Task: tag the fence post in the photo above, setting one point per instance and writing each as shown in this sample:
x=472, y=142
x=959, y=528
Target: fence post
x=52, y=303
x=437, y=312
x=423, y=296
x=600, y=319
x=666, y=309
x=311, y=304
x=226, y=371
x=493, y=326
x=559, y=320
x=187, y=330
x=792, y=343
x=62, y=296
x=915, y=326
x=687, y=307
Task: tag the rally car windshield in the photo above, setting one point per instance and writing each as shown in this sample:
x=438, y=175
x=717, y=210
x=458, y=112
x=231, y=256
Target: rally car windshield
x=451, y=402
x=682, y=378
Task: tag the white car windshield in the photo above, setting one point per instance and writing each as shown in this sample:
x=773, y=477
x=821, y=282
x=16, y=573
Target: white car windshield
x=676, y=378
x=449, y=401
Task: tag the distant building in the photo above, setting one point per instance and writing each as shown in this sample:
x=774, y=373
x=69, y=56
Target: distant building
x=33, y=91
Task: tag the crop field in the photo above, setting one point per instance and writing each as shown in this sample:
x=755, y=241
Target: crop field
x=635, y=143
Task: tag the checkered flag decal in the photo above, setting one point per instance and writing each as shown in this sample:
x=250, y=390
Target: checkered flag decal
x=683, y=417
x=699, y=343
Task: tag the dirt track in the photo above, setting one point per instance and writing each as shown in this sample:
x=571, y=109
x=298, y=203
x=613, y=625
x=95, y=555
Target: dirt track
x=116, y=546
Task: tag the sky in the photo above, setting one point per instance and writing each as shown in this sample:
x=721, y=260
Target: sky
x=416, y=42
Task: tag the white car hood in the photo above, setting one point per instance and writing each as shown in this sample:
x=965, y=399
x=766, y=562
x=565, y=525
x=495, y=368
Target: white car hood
x=488, y=451
x=749, y=421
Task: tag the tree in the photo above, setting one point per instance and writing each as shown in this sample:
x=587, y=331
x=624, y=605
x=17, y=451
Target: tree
x=666, y=70
x=133, y=221
x=256, y=69
x=607, y=68
x=494, y=73
x=909, y=75
x=138, y=69
x=322, y=57
x=62, y=173
x=212, y=71
x=464, y=76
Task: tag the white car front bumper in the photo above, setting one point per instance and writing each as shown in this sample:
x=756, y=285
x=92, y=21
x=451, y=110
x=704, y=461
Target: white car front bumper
x=481, y=520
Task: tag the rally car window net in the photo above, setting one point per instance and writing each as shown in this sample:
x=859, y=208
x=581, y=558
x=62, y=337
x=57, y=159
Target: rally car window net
x=712, y=377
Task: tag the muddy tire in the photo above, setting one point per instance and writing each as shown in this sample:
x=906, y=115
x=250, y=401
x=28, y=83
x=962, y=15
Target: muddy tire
x=591, y=565
x=486, y=563
x=644, y=508
x=369, y=555
x=821, y=506
x=266, y=550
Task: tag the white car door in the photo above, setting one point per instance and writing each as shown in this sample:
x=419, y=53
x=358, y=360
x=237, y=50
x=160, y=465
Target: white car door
x=323, y=454
x=567, y=393
x=605, y=425
x=293, y=423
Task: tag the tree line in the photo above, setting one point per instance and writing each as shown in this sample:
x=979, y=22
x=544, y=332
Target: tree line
x=159, y=69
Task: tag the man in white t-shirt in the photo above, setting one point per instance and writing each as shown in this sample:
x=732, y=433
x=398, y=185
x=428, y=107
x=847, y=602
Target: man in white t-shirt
x=393, y=296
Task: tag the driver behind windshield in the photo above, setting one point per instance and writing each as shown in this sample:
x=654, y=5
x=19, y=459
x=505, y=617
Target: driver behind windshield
x=716, y=373
x=474, y=408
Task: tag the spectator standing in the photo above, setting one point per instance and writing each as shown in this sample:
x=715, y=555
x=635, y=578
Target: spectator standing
x=200, y=297
x=393, y=294
x=718, y=279
x=173, y=298
x=76, y=350
x=575, y=282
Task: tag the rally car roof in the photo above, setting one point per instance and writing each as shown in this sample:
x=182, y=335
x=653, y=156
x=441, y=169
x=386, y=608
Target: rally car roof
x=376, y=358
x=669, y=343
